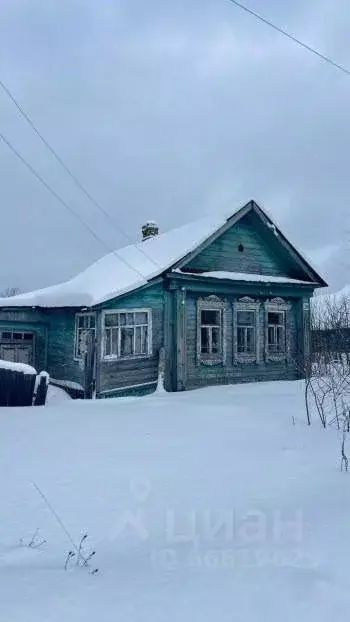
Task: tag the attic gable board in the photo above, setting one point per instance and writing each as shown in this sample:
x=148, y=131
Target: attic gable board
x=260, y=254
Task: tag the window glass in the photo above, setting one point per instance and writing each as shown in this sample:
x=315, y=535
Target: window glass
x=210, y=317
x=126, y=334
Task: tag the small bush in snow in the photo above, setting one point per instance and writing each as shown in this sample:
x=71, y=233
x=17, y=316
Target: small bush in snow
x=35, y=542
x=81, y=556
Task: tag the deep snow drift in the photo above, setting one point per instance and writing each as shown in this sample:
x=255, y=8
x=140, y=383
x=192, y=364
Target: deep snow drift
x=208, y=505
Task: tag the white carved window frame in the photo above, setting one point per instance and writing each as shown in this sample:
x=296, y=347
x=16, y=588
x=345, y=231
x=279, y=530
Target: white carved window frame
x=246, y=304
x=277, y=305
x=212, y=303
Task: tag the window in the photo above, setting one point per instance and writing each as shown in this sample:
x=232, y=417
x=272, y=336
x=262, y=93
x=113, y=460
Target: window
x=85, y=324
x=246, y=332
x=277, y=321
x=126, y=334
x=276, y=332
x=211, y=331
x=211, y=342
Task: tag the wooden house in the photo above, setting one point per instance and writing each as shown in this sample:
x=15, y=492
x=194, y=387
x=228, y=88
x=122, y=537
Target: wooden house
x=228, y=298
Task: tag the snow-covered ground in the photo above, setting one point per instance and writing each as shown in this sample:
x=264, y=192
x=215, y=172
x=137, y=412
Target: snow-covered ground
x=208, y=505
x=56, y=395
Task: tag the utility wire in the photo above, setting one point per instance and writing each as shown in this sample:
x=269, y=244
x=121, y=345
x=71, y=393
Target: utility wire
x=307, y=47
x=66, y=205
x=67, y=169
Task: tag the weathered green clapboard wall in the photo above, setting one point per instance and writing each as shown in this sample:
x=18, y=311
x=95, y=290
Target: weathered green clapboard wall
x=54, y=338
x=54, y=342
x=113, y=377
x=230, y=372
x=261, y=252
x=29, y=320
x=184, y=372
x=60, y=360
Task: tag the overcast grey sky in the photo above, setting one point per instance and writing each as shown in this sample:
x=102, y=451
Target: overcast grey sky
x=170, y=110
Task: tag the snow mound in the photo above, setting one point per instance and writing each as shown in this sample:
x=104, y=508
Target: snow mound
x=56, y=395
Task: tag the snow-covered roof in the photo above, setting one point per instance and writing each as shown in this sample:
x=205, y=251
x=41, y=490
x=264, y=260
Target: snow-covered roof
x=128, y=268
x=123, y=270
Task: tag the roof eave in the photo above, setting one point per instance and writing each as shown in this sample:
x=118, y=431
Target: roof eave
x=187, y=276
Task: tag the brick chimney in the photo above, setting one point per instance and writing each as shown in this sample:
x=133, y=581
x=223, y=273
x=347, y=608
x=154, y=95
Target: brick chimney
x=149, y=230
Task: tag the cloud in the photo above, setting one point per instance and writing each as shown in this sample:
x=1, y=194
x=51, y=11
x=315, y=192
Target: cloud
x=168, y=111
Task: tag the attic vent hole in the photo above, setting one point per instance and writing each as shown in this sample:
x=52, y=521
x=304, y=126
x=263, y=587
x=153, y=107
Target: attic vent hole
x=240, y=248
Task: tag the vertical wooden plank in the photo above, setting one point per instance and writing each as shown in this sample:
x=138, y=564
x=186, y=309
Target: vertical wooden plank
x=89, y=367
x=300, y=331
x=306, y=326
x=46, y=347
x=41, y=392
x=180, y=298
x=168, y=340
x=98, y=351
x=302, y=337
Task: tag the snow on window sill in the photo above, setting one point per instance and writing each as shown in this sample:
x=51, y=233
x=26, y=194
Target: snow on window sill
x=132, y=357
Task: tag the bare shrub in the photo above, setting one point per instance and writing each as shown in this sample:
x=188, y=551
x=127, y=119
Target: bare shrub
x=327, y=369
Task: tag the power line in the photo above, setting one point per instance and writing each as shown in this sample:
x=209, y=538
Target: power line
x=67, y=169
x=65, y=204
x=307, y=47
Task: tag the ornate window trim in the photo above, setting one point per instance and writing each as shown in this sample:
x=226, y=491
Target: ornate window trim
x=211, y=303
x=246, y=304
x=277, y=305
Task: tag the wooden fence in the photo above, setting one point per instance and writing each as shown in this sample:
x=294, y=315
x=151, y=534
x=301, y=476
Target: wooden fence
x=331, y=340
x=18, y=388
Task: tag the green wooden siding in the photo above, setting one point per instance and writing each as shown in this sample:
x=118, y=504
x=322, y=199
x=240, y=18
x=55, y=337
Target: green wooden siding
x=54, y=339
x=118, y=374
x=60, y=361
x=231, y=372
x=257, y=257
x=32, y=321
